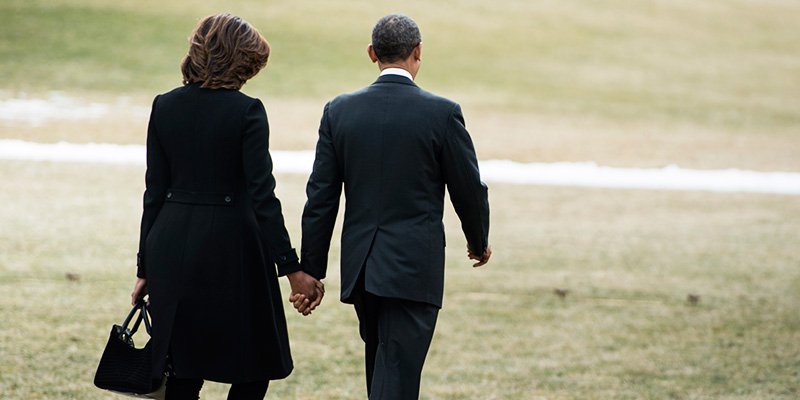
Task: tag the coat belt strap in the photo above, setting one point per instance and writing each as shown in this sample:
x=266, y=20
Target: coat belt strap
x=200, y=198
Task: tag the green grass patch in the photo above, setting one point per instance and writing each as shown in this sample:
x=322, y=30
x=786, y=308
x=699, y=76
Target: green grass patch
x=705, y=85
x=724, y=65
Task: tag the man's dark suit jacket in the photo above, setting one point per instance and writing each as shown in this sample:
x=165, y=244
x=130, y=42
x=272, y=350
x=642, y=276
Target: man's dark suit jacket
x=394, y=147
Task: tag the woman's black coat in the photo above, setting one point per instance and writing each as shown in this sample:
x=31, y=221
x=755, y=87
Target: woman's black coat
x=212, y=233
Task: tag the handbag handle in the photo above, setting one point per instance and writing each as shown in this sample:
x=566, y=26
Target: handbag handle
x=126, y=334
x=136, y=307
x=145, y=316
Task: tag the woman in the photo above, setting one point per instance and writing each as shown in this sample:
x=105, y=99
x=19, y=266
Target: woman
x=212, y=229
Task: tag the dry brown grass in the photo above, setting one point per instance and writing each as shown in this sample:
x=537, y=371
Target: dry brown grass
x=625, y=330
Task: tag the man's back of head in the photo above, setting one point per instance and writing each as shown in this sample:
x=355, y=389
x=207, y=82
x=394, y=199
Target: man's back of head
x=394, y=38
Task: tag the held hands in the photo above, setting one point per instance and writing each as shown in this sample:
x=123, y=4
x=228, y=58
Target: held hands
x=482, y=259
x=307, y=292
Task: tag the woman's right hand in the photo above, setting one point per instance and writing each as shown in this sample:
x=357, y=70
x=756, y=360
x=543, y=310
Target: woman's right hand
x=307, y=292
x=305, y=306
x=139, y=291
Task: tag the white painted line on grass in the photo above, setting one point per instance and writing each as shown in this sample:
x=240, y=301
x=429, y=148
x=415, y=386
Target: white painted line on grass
x=581, y=174
x=672, y=177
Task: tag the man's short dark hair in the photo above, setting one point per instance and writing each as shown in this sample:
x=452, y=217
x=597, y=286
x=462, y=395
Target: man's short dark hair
x=394, y=37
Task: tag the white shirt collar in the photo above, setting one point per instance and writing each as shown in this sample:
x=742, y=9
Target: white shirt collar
x=397, y=71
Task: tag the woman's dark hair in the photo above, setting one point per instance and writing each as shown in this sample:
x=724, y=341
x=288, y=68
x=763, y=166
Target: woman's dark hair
x=394, y=37
x=224, y=52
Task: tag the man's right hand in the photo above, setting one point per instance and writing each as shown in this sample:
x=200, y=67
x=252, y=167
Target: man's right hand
x=482, y=259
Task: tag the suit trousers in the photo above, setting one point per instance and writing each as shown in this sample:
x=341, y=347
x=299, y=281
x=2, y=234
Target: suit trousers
x=397, y=334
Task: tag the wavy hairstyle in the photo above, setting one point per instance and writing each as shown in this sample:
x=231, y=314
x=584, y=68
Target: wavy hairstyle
x=224, y=52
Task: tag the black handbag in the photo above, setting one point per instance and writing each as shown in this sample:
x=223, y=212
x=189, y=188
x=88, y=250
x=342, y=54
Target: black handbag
x=123, y=368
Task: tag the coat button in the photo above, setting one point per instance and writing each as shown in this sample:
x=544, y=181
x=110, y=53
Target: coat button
x=227, y=199
x=169, y=195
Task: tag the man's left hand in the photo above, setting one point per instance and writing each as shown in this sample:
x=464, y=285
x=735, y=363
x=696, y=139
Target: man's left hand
x=307, y=292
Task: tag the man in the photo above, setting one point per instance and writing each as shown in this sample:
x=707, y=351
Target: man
x=394, y=147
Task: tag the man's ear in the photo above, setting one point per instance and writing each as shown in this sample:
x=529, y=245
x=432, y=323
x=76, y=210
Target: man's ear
x=371, y=53
x=418, y=52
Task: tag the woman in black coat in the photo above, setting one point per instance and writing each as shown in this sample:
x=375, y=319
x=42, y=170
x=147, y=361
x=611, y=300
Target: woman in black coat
x=212, y=229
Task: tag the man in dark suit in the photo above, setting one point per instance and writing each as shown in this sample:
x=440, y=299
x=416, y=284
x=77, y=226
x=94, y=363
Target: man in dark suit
x=394, y=147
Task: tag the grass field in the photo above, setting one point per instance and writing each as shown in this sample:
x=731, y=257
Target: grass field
x=711, y=84
x=624, y=331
